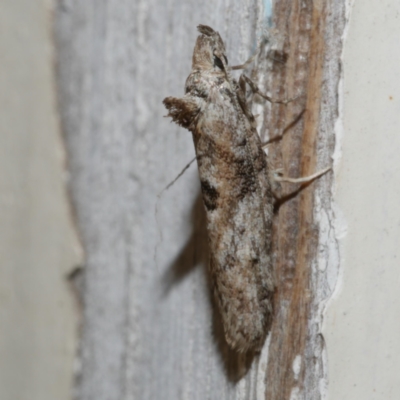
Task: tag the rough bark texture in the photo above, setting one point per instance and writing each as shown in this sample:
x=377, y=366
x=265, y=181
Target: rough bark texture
x=149, y=329
x=309, y=45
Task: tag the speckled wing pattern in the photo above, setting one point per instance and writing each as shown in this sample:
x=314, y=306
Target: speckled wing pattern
x=236, y=192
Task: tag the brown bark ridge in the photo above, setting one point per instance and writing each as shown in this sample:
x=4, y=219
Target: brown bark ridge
x=305, y=63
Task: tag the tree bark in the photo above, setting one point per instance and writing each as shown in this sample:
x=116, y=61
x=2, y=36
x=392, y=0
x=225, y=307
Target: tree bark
x=149, y=326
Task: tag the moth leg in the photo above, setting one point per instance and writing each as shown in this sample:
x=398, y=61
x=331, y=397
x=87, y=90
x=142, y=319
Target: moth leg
x=252, y=58
x=280, y=136
x=246, y=63
x=241, y=96
x=256, y=90
x=273, y=139
x=182, y=111
x=276, y=176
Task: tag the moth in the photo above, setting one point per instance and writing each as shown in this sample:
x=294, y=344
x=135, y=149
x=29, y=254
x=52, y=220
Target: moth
x=236, y=190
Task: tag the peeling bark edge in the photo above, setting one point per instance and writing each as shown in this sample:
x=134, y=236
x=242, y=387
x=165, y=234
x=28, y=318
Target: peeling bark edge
x=312, y=41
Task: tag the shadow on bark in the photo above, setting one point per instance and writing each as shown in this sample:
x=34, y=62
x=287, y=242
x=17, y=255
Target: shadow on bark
x=196, y=252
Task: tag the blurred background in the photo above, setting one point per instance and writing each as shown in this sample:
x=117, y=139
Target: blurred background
x=39, y=246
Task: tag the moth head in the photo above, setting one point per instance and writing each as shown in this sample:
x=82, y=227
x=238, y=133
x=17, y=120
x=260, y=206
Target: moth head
x=209, y=51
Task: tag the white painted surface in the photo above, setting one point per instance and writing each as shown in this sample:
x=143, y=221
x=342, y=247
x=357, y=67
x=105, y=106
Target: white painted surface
x=38, y=246
x=362, y=325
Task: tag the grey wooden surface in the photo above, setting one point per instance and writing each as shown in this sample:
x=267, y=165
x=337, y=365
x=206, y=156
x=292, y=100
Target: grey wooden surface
x=150, y=331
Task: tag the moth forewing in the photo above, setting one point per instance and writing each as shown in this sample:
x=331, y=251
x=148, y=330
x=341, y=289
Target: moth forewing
x=236, y=192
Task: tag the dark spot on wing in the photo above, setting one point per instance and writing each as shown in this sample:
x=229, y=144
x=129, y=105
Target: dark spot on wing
x=210, y=195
